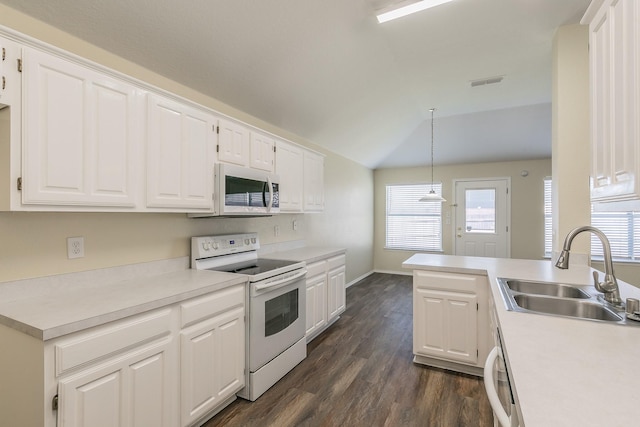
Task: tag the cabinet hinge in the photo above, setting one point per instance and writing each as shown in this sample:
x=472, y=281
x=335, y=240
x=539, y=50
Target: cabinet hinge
x=19, y=183
x=477, y=307
x=477, y=353
x=54, y=403
x=4, y=83
x=19, y=65
x=274, y=148
x=218, y=129
x=4, y=53
x=217, y=148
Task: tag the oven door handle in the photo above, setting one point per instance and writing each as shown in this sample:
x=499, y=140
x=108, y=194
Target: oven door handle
x=282, y=282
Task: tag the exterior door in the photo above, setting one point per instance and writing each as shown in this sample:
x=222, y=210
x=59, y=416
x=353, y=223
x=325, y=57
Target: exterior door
x=482, y=220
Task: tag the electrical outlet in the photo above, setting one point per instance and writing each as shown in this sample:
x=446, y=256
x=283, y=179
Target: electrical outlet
x=276, y=230
x=75, y=247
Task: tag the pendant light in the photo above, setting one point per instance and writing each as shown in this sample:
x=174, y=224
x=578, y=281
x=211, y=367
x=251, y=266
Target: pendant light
x=432, y=196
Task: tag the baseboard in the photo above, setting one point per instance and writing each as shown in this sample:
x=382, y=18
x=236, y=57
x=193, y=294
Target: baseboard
x=357, y=279
x=402, y=273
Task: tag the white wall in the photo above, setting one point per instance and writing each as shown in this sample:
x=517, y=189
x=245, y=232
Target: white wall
x=570, y=137
x=34, y=244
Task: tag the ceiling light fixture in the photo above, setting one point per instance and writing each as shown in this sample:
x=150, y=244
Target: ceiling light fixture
x=432, y=196
x=407, y=8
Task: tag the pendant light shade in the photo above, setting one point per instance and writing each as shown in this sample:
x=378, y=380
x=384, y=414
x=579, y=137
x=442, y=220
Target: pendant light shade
x=432, y=196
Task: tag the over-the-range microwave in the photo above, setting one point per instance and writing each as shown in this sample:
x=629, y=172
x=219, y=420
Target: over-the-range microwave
x=240, y=191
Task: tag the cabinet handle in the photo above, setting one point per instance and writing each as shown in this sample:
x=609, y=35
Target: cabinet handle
x=4, y=82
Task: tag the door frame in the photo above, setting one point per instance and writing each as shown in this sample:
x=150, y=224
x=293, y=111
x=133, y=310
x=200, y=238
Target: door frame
x=454, y=223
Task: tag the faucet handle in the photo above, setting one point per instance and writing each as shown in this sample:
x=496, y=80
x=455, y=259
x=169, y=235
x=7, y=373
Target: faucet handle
x=596, y=282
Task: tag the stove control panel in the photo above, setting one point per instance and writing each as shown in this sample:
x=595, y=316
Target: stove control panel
x=210, y=246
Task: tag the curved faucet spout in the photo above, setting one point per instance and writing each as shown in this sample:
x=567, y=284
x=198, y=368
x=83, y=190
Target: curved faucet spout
x=610, y=285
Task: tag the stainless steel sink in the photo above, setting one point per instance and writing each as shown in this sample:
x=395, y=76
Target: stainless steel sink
x=560, y=299
x=566, y=307
x=544, y=288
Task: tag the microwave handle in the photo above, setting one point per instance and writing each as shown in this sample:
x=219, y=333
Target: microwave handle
x=270, y=185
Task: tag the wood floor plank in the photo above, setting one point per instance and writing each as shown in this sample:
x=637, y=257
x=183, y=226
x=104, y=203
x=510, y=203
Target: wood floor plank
x=360, y=372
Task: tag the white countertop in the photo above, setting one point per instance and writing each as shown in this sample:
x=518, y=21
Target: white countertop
x=309, y=254
x=47, y=308
x=565, y=372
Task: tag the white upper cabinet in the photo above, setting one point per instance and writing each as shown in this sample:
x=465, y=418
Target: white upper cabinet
x=262, y=152
x=313, y=181
x=233, y=143
x=289, y=166
x=80, y=133
x=181, y=141
x=614, y=55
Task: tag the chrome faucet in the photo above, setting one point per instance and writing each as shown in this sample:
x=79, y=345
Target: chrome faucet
x=609, y=287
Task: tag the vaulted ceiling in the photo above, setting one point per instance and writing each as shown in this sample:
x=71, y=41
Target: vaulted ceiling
x=327, y=71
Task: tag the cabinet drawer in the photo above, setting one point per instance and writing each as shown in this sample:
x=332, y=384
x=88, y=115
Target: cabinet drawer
x=316, y=268
x=336, y=262
x=83, y=348
x=206, y=306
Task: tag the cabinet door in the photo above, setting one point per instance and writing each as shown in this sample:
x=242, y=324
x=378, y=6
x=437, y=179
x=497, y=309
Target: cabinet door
x=181, y=142
x=132, y=390
x=313, y=182
x=212, y=369
x=262, y=152
x=82, y=152
x=336, y=303
x=289, y=166
x=615, y=90
x=445, y=325
x=233, y=143
x=316, y=303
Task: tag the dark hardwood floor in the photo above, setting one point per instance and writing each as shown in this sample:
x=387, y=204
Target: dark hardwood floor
x=360, y=373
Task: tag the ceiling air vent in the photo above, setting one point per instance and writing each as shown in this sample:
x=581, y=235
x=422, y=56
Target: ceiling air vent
x=487, y=81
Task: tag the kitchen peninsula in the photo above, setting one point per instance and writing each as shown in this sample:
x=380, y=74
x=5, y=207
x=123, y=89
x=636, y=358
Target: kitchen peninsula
x=563, y=371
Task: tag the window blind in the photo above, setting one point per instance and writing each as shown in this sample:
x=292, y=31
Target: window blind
x=411, y=224
x=622, y=229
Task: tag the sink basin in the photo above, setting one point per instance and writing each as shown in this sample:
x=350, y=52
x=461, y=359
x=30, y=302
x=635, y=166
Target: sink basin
x=566, y=307
x=544, y=288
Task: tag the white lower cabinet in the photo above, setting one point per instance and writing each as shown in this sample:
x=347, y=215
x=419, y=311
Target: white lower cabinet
x=172, y=366
x=450, y=320
x=212, y=369
x=316, y=302
x=337, y=296
x=133, y=389
x=326, y=294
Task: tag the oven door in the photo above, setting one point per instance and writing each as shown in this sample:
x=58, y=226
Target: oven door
x=277, y=317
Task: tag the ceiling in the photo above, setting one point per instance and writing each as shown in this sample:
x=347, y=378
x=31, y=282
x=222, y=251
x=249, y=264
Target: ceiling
x=328, y=72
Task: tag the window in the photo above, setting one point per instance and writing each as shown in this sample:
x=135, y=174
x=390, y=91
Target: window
x=413, y=225
x=480, y=215
x=621, y=228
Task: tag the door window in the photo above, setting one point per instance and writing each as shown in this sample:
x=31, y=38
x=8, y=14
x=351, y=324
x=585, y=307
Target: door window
x=480, y=212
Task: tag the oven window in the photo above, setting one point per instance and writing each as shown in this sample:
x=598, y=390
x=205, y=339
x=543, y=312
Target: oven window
x=245, y=192
x=280, y=312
